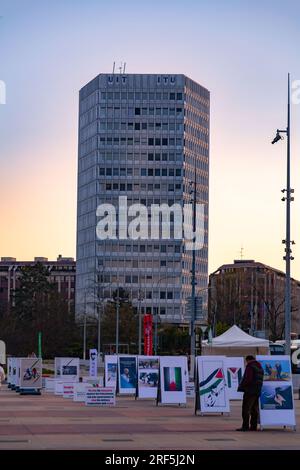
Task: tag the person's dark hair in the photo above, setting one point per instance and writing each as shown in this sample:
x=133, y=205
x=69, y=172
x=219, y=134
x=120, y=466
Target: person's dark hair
x=250, y=358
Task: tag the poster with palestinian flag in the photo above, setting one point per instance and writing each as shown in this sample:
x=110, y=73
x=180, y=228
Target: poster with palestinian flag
x=172, y=379
x=235, y=372
x=212, y=388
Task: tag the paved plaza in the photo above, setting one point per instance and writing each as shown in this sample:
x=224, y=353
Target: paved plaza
x=52, y=422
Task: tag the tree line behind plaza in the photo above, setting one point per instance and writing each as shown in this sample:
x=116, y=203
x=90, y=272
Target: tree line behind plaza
x=37, y=306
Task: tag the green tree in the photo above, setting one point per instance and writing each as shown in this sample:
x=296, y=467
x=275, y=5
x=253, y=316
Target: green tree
x=39, y=307
x=173, y=339
x=221, y=327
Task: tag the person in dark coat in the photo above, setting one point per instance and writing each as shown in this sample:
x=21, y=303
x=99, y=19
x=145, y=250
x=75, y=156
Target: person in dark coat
x=251, y=385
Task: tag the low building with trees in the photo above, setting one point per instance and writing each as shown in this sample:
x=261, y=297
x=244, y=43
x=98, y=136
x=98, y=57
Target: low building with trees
x=251, y=295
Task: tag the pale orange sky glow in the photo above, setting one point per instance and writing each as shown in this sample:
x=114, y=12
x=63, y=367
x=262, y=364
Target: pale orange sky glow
x=238, y=53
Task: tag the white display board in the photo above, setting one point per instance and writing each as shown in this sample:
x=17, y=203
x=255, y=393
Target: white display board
x=57, y=367
x=80, y=391
x=93, y=380
x=2, y=352
x=49, y=384
x=148, y=371
x=68, y=390
x=100, y=396
x=190, y=389
x=93, y=362
x=276, y=403
x=17, y=366
x=67, y=368
x=13, y=376
x=211, y=383
x=111, y=370
x=127, y=374
x=172, y=374
x=9, y=370
x=234, y=373
x=30, y=373
x=59, y=387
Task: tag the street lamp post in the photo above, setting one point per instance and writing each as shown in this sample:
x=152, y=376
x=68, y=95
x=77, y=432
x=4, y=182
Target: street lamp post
x=140, y=321
x=193, y=332
x=287, y=242
x=84, y=329
x=117, y=319
x=94, y=284
x=117, y=324
x=99, y=331
x=193, y=281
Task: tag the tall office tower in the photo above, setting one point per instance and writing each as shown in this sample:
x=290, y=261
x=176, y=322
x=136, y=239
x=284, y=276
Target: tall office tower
x=146, y=137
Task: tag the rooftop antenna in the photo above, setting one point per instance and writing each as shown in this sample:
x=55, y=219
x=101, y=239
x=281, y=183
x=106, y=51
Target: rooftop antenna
x=114, y=64
x=124, y=67
x=241, y=252
x=120, y=68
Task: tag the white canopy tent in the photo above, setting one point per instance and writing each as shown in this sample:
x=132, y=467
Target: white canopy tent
x=236, y=342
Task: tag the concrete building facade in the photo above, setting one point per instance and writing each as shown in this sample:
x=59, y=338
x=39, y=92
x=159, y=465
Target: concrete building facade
x=62, y=272
x=143, y=136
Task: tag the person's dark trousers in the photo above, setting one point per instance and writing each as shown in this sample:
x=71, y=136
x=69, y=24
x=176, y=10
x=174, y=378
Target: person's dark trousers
x=250, y=411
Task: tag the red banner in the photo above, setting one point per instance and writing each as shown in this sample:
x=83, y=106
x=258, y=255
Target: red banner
x=148, y=334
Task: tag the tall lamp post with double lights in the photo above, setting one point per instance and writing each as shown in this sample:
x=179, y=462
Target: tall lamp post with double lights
x=287, y=242
x=195, y=304
x=93, y=285
x=117, y=300
x=85, y=321
x=117, y=320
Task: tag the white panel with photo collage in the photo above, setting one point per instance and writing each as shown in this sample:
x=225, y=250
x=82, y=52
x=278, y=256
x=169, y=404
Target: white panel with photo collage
x=276, y=402
x=148, y=369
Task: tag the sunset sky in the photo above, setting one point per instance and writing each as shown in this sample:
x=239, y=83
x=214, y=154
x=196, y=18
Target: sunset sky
x=240, y=50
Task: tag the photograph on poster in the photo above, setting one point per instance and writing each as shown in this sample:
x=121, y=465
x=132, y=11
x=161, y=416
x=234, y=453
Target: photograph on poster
x=212, y=385
x=31, y=373
x=127, y=372
x=111, y=370
x=111, y=373
x=276, y=370
x=148, y=363
x=276, y=397
x=148, y=378
x=172, y=379
x=69, y=370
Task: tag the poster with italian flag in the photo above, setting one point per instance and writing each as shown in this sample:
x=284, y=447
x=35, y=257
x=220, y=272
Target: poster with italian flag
x=211, y=382
x=234, y=374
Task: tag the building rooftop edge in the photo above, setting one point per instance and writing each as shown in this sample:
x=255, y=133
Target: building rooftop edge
x=145, y=74
x=249, y=264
